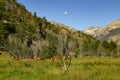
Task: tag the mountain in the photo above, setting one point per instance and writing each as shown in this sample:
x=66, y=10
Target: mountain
x=25, y=35
x=63, y=25
x=109, y=32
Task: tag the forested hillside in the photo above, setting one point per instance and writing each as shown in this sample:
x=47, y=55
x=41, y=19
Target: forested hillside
x=26, y=35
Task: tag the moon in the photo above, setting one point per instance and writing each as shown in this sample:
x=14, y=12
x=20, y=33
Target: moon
x=65, y=12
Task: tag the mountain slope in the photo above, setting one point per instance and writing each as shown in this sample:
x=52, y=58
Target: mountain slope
x=25, y=35
x=110, y=32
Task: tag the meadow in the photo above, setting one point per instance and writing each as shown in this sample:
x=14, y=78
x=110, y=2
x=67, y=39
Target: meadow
x=83, y=68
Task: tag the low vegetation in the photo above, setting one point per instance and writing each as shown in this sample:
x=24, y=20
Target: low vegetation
x=83, y=68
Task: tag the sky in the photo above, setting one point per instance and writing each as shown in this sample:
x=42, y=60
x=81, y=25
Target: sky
x=79, y=14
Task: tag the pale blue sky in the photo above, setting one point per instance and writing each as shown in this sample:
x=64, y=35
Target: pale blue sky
x=79, y=14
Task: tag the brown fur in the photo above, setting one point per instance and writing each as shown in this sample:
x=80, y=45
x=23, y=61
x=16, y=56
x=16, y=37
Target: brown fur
x=67, y=57
x=38, y=58
x=15, y=58
x=55, y=57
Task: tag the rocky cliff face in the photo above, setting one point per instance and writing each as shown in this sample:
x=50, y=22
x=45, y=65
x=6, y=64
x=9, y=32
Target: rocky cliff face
x=109, y=32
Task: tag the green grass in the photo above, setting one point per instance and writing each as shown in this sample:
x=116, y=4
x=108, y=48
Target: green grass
x=84, y=68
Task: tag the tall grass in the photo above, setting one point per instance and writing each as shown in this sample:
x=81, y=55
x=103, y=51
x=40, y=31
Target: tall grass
x=84, y=68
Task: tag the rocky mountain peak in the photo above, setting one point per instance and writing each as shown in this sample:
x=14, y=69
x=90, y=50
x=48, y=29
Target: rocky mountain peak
x=109, y=32
x=114, y=23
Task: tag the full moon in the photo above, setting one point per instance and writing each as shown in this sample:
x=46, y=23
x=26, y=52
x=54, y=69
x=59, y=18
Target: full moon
x=65, y=12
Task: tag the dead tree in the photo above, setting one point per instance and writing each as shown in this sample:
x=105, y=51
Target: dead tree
x=65, y=63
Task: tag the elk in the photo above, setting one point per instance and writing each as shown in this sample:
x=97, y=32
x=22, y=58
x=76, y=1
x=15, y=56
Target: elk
x=15, y=58
x=66, y=57
x=38, y=58
x=55, y=58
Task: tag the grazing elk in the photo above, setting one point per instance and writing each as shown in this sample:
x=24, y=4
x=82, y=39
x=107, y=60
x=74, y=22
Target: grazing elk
x=15, y=58
x=38, y=58
x=55, y=58
x=66, y=57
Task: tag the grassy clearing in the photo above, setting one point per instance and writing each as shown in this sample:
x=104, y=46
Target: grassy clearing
x=85, y=68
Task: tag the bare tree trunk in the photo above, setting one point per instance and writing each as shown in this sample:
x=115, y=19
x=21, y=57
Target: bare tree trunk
x=65, y=64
